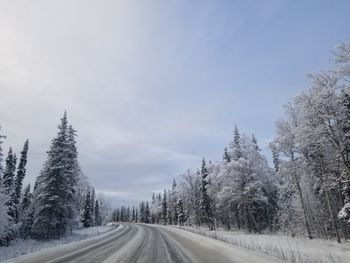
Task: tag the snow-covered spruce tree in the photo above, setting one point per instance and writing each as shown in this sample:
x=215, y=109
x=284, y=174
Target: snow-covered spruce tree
x=1, y=153
x=26, y=215
x=142, y=212
x=174, y=198
x=236, y=144
x=164, y=208
x=74, y=175
x=133, y=216
x=21, y=172
x=86, y=219
x=226, y=157
x=136, y=215
x=92, y=207
x=54, y=199
x=5, y=222
x=169, y=208
x=147, y=213
x=9, y=184
x=205, y=201
x=180, y=210
x=27, y=199
x=152, y=207
x=98, y=220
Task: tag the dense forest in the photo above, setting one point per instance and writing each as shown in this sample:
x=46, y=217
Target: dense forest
x=61, y=199
x=306, y=191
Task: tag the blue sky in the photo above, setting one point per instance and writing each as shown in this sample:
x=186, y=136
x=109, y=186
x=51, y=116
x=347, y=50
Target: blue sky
x=152, y=86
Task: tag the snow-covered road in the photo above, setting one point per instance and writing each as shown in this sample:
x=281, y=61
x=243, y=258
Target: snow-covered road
x=146, y=243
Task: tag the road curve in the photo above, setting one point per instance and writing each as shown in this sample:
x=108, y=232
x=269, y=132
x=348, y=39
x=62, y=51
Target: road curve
x=140, y=243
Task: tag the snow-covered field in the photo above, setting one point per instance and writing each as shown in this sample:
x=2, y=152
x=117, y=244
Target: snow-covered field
x=20, y=247
x=295, y=250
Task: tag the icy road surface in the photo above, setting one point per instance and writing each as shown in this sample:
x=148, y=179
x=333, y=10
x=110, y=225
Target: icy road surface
x=146, y=243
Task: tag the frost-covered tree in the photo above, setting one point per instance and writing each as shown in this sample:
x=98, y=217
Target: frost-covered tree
x=246, y=196
x=147, y=214
x=180, y=210
x=9, y=184
x=5, y=220
x=285, y=144
x=190, y=195
x=86, y=219
x=226, y=157
x=307, y=192
x=26, y=215
x=98, y=220
x=27, y=199
x=21, y=172
x=54, y=198
x=236, y=144
x=1, y=153
x=92, y=206
x=173, y=203
x=164, y=208
x=156, y=208
x=205, y=201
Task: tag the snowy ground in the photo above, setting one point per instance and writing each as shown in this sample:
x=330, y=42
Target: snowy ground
x=20, y=247
x=297, y=249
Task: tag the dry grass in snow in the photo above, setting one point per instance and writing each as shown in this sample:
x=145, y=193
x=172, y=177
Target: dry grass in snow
x=289, y=249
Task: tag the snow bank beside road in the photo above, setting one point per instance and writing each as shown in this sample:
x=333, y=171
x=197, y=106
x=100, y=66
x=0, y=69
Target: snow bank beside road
x=19, y=247
x=199, y=246
x=297, y=249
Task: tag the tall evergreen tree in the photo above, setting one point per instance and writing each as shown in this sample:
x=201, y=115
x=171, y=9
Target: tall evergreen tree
x=147, y=213
x=26, y=213
x=237, y=152
x=133, y=214
x=72, y=171
x=21, y=171
x=255, y=143
x=142, y=212
x=174, y=197
x=5, y=223
x=97, y=213
x=86, y=219
x=1, y=154
x=205, y=202
x=9, y=184
x=164, y=208
x=26, y=200
x=180, y=209
x=54, y=197
x=92, y=206
x=226, y=157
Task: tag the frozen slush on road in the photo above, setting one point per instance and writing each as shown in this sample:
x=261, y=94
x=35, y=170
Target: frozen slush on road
x=146, y=243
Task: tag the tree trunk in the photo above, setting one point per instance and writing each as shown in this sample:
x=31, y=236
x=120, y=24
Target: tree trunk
x=329, y=205
x=247, y=218
x=332, y=217
x=301, y=199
